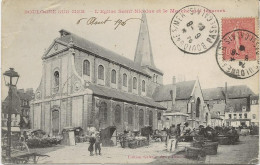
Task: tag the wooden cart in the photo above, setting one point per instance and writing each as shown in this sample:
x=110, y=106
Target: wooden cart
x=20, y=154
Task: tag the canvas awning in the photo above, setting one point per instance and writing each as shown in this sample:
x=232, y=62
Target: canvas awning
x=176, y=114
x=13, y=129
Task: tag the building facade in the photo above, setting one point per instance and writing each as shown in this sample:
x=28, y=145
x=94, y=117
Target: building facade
x=21, y=109
x=230, y=103
x=254, y=110
x=86, y=85
x=184, y=98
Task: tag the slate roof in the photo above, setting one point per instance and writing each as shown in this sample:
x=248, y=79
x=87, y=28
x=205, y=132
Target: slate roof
x=124, y=96
x=237, y=104
x=101, y=51
x=214, y=116
x=238, y=91
x=183, y=91
x=218, y=108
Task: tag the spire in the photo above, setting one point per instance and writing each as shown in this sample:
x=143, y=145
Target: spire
x=143, y=52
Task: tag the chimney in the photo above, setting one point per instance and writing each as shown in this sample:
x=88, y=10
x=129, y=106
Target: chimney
x=226, y=93
x=173, y=90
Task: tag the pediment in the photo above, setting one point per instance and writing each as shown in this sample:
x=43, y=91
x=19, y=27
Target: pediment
x=54, y=49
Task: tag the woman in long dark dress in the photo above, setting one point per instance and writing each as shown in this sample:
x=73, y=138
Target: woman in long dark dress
x=92, y=141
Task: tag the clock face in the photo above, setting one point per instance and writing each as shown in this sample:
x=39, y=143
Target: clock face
x=77, y=86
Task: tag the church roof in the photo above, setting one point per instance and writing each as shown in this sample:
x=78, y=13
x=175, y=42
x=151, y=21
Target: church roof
x=124, y=96
x=238, y=91
x=183, y=91
x=143, y=52
x=100, y=51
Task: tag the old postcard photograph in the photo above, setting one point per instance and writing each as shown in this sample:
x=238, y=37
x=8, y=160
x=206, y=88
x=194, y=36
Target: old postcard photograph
x=130, y=82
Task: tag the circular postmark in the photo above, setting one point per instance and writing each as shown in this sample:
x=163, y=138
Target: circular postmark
x=194, y=29
x=237, y=54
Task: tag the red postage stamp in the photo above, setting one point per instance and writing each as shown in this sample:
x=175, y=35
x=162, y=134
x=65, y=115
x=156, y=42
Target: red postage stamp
x=238, y=45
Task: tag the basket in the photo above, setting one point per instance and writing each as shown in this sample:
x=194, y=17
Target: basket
x=192, y=152
x=210, y=148
x=198, y=144
x=132, y=144
x=199, y=138
x=224, y=140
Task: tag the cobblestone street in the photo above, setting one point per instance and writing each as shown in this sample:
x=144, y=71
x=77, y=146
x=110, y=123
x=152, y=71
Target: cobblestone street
x=246, y=151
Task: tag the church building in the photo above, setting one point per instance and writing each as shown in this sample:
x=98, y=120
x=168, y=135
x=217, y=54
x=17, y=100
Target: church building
x=85, y=85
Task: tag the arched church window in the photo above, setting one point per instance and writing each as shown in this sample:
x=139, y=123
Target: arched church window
x=86, y=68
x=159, y=116
x=124, y=80
x=141, y=117
x=56, y=80
x=198, y=107
x=143, y=86
x=151, y=118
x=134, y=83
x=118, y=114
x=130, y=115
x=113, y=76
x=103, y=111
x=100, y=72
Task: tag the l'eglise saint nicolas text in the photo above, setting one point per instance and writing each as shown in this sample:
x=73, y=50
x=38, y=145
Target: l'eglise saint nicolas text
x=125, y=11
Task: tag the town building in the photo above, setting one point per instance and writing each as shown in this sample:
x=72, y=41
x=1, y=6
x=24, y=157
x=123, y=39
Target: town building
x=254, y=110
x=184, y=102
x=20, y=109
x=86, y=85
x=230, y=103
x=216, y=120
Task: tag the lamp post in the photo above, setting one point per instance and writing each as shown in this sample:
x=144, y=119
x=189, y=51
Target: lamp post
x=11, y=78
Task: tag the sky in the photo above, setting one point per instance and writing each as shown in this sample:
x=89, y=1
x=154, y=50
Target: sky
x=25, y=37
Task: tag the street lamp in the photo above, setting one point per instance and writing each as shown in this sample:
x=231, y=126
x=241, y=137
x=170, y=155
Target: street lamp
x=11, y=78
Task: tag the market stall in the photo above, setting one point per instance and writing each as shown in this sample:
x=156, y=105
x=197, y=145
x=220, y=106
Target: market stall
x=106, y=135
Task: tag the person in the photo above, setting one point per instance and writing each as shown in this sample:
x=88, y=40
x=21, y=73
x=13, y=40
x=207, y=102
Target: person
x=92, y=141
x=172, y=131
x=97, y=144
x=178, y=134
x=186, y=129
x=171, y=138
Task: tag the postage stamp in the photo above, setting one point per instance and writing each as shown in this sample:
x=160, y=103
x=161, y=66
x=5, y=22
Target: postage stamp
x=194, y=29
x=238, y=52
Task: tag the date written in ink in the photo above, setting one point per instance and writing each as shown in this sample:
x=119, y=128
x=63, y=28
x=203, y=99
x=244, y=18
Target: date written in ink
x=97, y=21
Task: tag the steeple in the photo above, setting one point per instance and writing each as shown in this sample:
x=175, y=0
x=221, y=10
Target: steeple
x=143, y=52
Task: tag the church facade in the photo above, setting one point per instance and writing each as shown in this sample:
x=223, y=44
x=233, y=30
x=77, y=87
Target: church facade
x=85, y=85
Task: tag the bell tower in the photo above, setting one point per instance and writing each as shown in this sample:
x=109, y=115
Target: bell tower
x=144, y=54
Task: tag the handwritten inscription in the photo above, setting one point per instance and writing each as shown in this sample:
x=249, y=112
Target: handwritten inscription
x=96, y=21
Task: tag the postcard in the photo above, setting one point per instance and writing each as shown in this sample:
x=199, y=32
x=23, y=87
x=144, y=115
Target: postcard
x=130, y=82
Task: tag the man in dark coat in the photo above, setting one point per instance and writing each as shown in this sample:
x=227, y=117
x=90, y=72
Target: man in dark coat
x=92, y=141
x=97, y=144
